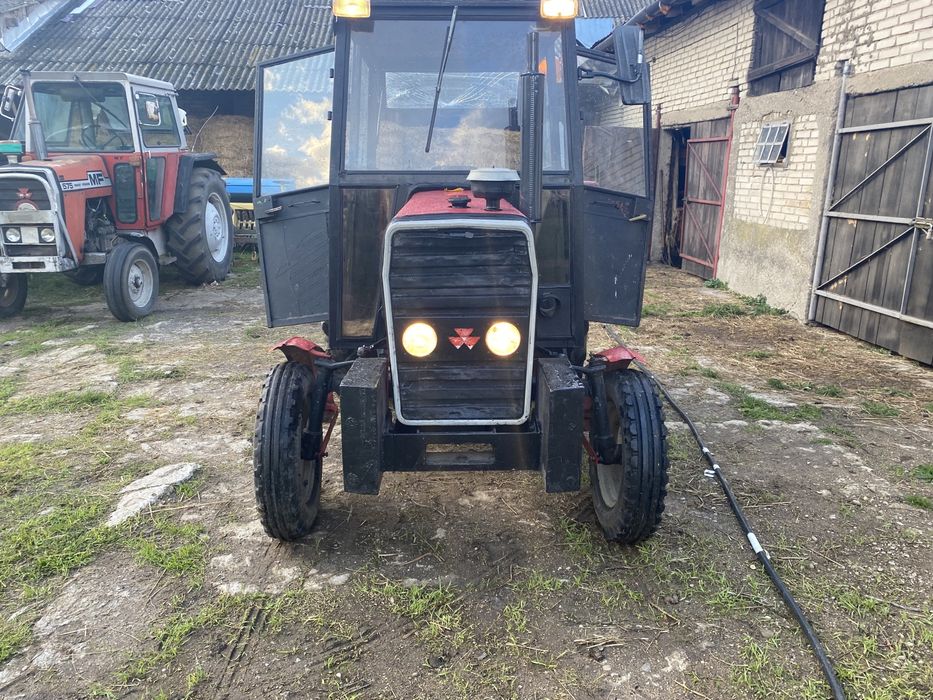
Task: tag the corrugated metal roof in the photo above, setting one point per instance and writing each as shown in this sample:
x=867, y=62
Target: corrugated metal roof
x=203, y=45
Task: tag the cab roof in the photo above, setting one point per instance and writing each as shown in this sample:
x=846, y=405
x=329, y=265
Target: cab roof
x=104, y=76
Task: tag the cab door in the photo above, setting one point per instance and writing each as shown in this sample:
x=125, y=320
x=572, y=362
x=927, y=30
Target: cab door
x=290, y=190
x=161, y=138
x=617, y=202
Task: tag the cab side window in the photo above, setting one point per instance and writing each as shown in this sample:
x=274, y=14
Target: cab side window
x=157, y=120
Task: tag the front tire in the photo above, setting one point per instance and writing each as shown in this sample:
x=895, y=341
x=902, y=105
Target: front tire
x=288, y=485
x=13, y=289
x=201, y=237
x=131, y=281
x=628, y=494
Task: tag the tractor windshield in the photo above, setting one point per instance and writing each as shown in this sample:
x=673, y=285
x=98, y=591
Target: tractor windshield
x=83, y=117
x=392, y=88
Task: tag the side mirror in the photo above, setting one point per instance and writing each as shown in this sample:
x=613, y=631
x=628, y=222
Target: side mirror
x=633, y=70
x=9, y=103
x=148, y=110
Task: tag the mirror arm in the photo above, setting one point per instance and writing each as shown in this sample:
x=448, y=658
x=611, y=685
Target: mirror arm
x=589, y=74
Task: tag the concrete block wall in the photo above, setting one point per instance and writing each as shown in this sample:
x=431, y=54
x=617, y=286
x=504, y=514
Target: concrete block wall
x=875, y=34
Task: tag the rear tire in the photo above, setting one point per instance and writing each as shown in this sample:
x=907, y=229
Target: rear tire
x=86, y=275
x=628, y=494
x=288, y=487
x=201, y=237
x=13, y=288
x=131, y=281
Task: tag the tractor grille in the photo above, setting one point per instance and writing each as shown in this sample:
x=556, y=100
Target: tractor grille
x=461, y=278
x=12, y=187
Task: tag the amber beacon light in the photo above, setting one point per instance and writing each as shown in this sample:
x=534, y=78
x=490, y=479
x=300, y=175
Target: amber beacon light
x=352, y=8
x=559, y=9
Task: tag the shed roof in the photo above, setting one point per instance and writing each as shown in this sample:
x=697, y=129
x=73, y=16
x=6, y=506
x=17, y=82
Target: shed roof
x=204, y=45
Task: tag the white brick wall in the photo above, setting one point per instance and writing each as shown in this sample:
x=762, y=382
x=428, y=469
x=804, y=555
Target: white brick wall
x=695, y=62
x=875, y=34
x=779, y=195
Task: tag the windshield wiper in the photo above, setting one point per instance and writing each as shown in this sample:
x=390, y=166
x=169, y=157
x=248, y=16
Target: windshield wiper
x=440, y=77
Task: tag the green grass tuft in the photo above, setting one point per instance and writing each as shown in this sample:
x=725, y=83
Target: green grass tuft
x=879, y=409
x=776, y=383
x=58, y=402
x=924, y=472
x=921, y=502
x=13, y=637
x=716, y=284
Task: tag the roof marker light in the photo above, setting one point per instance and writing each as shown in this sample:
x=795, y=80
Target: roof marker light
x=559, y=9
x=352, y=8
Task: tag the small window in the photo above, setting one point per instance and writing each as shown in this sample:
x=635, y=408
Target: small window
x=772, y=144
x=786, y=44
x=156, y=115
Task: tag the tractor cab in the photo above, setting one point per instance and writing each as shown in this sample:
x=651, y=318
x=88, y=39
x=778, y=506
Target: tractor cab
x=466, y=189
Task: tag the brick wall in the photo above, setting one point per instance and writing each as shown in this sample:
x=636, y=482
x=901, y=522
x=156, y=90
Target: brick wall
x=695, y=62
x=778, y=195
x=875, y=34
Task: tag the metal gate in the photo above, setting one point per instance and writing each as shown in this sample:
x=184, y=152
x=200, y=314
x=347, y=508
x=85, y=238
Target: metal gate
x=704, y=196
x=875, y=278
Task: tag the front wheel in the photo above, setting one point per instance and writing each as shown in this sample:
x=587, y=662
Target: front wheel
x=12, y=294
x=286, y=459
x=629, y=492
x=131, y=281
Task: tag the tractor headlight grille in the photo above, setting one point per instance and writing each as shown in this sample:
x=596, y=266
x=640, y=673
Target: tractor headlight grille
x=23, y=194
x=474, y=285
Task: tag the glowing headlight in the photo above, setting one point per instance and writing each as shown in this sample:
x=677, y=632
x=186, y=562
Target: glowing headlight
x=47, y=235
x=558, y=9
x=12, y=235
x=351, y=8
x=503, y=338
x=419, y=340
x=26, y=206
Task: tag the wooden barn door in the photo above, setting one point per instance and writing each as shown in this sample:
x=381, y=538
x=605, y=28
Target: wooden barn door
x=876, y=280
x=704, y=197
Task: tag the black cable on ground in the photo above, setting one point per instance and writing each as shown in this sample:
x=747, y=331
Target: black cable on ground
x=715, y=472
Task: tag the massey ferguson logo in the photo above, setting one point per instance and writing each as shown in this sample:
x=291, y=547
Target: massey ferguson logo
x=94, y=178
x=464, y=337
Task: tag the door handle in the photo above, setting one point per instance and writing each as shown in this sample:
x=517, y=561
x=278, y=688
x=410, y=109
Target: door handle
x=273, y=210
x=640, y=217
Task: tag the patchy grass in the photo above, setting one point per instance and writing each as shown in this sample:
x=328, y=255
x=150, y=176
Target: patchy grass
x=434, y=610
x=880, y=409
x=177, y=549
x=778, y=384
x=716, y=284
x=917, y=501
x=760, y=354
x=658, y=309
x=924, y=472
x=129, y=370
x=13, y=637
x=757, y=409
x=57, y=402
x=53, y=542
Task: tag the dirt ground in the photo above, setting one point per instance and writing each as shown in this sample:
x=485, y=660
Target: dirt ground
x=455, y=585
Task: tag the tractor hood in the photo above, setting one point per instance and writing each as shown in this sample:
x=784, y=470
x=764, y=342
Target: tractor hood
x=74, y=172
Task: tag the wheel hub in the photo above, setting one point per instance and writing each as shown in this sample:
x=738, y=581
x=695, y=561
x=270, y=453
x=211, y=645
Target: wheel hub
x=217, y=227
x=139, y=283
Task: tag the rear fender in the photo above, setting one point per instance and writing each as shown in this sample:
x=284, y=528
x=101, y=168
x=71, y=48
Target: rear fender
x=618, y=357
x=187, y=162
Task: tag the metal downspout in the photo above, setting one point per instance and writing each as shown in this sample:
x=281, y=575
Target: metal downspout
x=827, y=197
x=649, y=13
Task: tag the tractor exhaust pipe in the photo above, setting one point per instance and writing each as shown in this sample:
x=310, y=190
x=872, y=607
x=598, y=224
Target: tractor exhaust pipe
x=532, y=127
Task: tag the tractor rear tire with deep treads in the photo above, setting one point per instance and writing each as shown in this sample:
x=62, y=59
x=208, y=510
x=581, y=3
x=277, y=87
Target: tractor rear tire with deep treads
x=201, y=237
x=288, y=487
x=629, y=493
x=86, y=275
x=131, y=281
x=12, y=294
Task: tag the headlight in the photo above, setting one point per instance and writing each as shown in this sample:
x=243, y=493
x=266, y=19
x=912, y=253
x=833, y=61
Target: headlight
x=12, y=235
x=503, y=338
x=351, y=8
x=26, y=206
x=47, y=235
x=558, y=9
x=419, y=340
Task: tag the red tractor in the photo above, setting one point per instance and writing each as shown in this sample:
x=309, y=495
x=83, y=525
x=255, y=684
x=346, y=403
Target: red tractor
x=98, y=184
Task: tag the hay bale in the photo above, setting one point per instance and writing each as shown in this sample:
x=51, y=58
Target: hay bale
x=230, y=137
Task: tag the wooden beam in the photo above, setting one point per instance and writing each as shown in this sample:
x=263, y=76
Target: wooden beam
x=783, y=64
